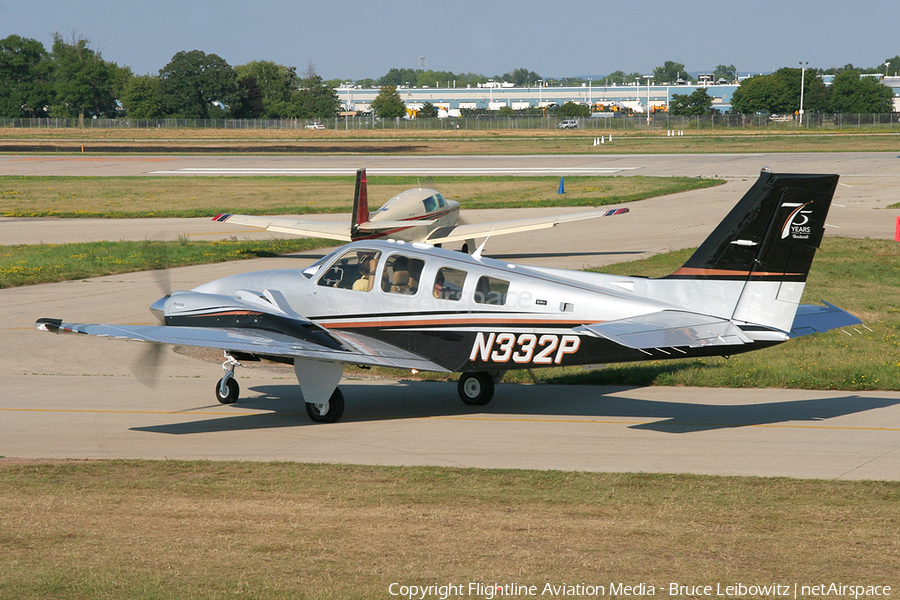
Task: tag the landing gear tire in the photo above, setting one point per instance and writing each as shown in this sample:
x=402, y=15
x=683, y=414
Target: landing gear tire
x=232, y=391
x=330, y=412
x=475, y=389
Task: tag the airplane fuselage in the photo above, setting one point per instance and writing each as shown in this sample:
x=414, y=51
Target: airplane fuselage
x=487, y=314
x=423, y=209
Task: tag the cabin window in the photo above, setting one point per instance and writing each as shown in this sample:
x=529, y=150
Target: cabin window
x=440, y=200
x=355, y=270
x=448, y=284
x=402, y=275
x=490, y=290
x=430, y=203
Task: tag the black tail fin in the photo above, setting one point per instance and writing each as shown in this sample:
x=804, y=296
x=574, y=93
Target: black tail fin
x=360, y=204
x=771, y=234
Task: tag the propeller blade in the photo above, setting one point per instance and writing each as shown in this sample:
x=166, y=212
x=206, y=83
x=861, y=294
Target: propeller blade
x=147, y=366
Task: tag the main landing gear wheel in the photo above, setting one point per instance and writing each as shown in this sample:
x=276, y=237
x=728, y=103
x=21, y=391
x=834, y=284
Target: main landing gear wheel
x=330, y=412
x=475, y=389
x=231, y=392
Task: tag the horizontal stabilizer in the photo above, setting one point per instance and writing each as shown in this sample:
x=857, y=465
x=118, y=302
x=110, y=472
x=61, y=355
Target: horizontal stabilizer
x=668, y=329
x=811, y=318
x=257, y=342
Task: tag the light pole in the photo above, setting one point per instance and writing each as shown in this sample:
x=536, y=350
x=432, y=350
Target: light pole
x=590, y=99
x=802, y=85
x=649, y=78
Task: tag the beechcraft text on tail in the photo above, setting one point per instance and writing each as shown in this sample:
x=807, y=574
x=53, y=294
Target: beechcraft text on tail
x=413, y=306
x=416, y=215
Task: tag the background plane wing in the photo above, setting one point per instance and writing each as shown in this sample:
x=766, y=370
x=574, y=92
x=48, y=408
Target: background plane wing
x=466, y=232
x=324, y=229
x=359, y=349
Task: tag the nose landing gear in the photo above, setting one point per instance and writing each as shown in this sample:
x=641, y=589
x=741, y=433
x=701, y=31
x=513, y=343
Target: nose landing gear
x=228, y=389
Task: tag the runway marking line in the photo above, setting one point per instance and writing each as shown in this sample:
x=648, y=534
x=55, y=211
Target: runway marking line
x=463, y=418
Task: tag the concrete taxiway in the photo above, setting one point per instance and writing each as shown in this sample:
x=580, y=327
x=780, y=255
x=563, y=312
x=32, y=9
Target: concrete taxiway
x=76, y=397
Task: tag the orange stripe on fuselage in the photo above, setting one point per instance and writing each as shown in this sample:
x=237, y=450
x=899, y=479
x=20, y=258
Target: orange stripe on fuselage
x=694, y=272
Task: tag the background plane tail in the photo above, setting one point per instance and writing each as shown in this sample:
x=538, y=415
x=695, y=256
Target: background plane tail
x=360, y=204
x=763, y=249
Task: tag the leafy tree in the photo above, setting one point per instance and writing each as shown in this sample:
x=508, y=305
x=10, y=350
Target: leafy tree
x=571, y=110
x=697, y=103
x=521, y=77
x=851, y=93
x=248, y=101
x=428, y=111
x=726, y=72
x=760, y=93
x=315, y=99
x=670, y=72
x=141, y=98
x=275, y=84
x=893, y=65
x=388, y=104
x=506, y=111
x=399, y=77
x=25, y=88
x=780, y=92
x=84, y=82
x=193, y=81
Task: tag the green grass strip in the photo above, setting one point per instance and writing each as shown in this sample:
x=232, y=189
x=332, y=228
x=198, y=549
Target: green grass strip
x=46, y=263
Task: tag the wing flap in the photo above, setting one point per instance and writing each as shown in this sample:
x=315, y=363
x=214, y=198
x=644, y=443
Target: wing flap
x=363, y=350
x=466, y=232
x=669, y=329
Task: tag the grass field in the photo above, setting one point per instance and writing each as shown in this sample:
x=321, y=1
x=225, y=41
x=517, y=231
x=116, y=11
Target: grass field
x=129, y=197
x=161, y=530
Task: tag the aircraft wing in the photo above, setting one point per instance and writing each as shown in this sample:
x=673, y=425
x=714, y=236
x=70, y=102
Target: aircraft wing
x=668, y=329
x=357, y=349
x=324, y=229
x=466, y=232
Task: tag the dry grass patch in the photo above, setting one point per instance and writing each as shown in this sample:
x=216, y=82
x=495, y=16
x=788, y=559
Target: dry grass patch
x=437, y=141
x=261, y=530
x=207, y=196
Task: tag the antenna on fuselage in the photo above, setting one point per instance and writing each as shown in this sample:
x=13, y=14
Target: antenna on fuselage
x=477, y=254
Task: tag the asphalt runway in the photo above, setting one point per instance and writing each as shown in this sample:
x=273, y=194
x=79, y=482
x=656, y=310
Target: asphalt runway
x=75, y=397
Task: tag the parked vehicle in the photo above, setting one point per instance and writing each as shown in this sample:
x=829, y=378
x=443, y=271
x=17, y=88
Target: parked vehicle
x=568, y=124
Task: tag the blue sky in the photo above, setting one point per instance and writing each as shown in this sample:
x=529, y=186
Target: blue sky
x=353, y=40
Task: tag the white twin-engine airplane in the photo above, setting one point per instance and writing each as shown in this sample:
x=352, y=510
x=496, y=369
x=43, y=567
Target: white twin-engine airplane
x=414, y=306
x=416, y=215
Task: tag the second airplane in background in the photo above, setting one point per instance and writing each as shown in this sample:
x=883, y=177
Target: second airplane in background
x=416, y=215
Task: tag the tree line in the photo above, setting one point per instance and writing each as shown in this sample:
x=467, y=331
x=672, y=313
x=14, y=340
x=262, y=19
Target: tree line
x=72, y=80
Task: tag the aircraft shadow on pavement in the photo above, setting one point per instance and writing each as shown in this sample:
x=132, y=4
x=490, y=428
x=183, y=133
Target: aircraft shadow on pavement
x=279, y=406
